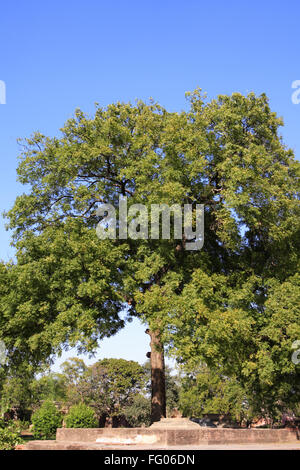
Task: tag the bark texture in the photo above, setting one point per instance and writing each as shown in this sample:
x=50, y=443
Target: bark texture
x=158, y=400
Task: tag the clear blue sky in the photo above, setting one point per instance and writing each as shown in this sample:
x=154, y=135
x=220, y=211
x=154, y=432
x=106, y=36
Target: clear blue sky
x=60, y=55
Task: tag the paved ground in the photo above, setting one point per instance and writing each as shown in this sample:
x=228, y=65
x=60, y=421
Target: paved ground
x=52, y=445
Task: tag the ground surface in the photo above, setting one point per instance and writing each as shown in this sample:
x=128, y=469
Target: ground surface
x=54, y=445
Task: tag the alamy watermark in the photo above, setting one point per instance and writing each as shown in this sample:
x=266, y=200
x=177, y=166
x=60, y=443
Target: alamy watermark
x=296, y=354
x=296, y=93
x=2, y=92
x=139, y=222
x=2, y=353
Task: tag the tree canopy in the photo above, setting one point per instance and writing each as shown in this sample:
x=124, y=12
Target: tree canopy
x=225, y=304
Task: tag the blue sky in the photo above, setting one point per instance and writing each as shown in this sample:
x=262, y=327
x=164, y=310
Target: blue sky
x=60, y=55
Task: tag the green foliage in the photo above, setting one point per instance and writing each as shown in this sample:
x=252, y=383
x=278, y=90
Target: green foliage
x=24, y=392
x=16, y=392
x=239, y=311
x=10, y=433
x=49, y=387
x=9, y=439
x=173, y=386
x=14, y=425
x=205, y=392
x=21, y=425
x=73, y=370
x=138, y=413
x=224, y=305
x=81, y=416
x=45, y=421
x=110, y=385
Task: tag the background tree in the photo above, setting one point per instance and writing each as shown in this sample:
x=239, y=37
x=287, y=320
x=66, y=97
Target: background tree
x=16, y=394
x=138, y=412
x=110, y=385
x=73, y=371
x=50, y=387
x=204, y=391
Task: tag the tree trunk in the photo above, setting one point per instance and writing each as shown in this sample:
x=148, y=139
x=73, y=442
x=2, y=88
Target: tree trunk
x=158, y=400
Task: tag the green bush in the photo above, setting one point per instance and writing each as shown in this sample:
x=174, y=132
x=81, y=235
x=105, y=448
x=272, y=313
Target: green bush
x=2, y=423
x=14, y=425
x=45, y=421
x=9, y=439
x=81, y=416
x=22, y=425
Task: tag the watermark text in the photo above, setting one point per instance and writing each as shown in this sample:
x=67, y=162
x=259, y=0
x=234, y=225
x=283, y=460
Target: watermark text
x=140, y=222
x=296, y=93
x=2, y=92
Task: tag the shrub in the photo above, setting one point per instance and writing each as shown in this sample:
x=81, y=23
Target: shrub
x=14, y=425
x=81, y=416
x=9, y=439
x=45, y=421
x=23, y=425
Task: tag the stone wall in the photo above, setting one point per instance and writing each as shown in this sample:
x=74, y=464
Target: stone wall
x=179, y=436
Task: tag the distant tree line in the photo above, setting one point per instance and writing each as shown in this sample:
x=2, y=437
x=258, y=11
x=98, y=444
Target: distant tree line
x=119, y=391
x=115, y=388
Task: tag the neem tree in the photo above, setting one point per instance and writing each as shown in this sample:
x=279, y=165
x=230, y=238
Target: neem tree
x=70, y=288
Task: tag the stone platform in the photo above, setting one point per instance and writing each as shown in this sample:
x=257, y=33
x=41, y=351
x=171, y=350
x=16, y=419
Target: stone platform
x=167, y=433
x=174, y=423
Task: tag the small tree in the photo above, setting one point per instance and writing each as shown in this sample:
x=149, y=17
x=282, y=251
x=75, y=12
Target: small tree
x=16, y=391
x=73, y=370
x=111, y=384
x=49, y=387
x=81, y=416
x=45, y=421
